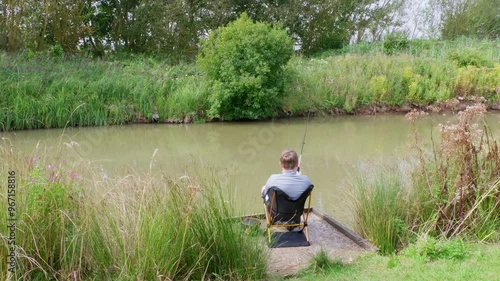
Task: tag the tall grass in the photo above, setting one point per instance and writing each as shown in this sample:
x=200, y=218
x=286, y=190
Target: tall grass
x=43, y=92
x=458, y=190
x=76, y=223
x=381, y=210
x=345, y=83
x=425, y=48
x=453, y=191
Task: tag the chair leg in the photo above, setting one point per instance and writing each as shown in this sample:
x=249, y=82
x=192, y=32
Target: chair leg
x=268, y=222
x=307, y=233
x=269, y=234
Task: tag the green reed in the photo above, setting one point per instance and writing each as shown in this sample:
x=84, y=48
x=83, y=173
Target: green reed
x=381, y=210
x=75, y=222
x=41, y=92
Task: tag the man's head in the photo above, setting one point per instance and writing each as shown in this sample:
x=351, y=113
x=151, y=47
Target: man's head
x=289, y=159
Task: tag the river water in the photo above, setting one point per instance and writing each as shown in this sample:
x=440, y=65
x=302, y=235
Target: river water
x=244, y=154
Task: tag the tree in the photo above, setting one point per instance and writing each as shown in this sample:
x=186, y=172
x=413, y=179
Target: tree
x=315, y=25
x=478, y=18
x=244, y=64
x=13, y=13
x=372, y=19
x=66, y=22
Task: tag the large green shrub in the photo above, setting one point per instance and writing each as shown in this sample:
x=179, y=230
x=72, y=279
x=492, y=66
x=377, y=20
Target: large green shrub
x=244, y=64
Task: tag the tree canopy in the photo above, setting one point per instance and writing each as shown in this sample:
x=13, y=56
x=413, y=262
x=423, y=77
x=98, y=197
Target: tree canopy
x=175, y=27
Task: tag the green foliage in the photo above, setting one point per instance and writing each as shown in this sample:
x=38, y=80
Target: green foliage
x=362, y=76
x=41, y=92
x=244, y=63
x=395, y=43
x=432, y=249
x=474, y=81
x=57, y=51
x=470, y=18
x=469, y=57
x=381, y=211
x=126, y=228
x=49, y=230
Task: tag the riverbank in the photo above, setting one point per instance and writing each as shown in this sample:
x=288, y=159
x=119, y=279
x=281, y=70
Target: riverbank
x=460, y=261
x=43, y=91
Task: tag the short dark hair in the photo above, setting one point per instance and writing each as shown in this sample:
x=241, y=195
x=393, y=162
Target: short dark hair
x=289, y=159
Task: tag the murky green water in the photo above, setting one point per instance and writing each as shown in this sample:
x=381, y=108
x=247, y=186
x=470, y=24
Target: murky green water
x=245, y=154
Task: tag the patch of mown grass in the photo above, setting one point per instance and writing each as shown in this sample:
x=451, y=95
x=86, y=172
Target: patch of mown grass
x=481, y=262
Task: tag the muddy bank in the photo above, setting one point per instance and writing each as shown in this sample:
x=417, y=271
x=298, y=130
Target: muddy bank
x=452, y=105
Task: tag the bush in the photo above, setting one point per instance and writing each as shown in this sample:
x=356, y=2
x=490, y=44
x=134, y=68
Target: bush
x=244, y=65
x=57, y=51
x=469, y=57
x=395, y=42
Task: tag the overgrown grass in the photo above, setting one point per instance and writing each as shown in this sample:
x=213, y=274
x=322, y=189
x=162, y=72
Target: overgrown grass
x=79, y=223
x=344, y=83
x=457, y=191
x=381, y=210
x=432, y=49
x=453, y=190
x=457, y=261
x=40, y=91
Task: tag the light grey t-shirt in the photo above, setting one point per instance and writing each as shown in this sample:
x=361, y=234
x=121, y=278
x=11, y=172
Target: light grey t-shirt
x=290, y=182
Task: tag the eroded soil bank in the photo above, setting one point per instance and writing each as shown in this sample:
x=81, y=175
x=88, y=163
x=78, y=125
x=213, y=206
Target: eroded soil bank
x=452, y=105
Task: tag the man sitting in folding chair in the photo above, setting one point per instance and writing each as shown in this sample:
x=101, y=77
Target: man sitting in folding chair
x=285, y=195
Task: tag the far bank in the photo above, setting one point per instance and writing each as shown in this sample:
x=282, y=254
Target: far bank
x=42, y=91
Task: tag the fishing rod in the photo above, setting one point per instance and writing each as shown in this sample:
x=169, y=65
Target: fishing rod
x=304, y=139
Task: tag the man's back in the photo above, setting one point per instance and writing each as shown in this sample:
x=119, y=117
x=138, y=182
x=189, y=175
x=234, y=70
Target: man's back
x=292, y=183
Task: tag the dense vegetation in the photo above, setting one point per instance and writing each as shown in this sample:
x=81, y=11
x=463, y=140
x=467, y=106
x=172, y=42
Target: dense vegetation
x=76, y=223
x=54, y=90
x=174, y=28
x=148, y=48
x=244, y=63
x=452, y=191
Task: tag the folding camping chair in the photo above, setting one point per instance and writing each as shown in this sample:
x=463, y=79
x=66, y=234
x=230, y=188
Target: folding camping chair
x=281, y=211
